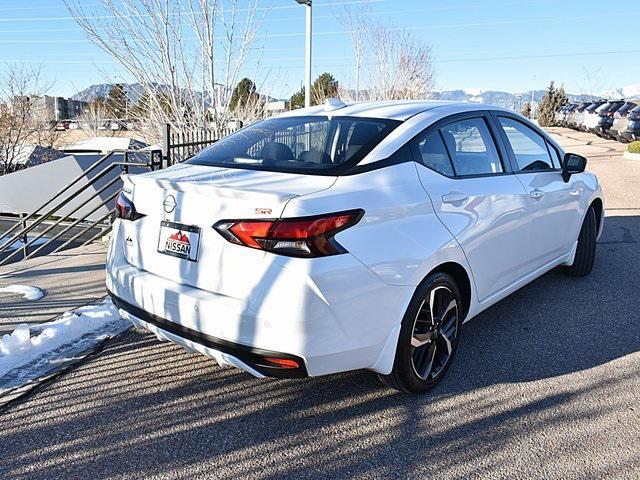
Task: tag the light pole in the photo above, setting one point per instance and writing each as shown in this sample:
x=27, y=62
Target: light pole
x=533, y=99
x=307, y=56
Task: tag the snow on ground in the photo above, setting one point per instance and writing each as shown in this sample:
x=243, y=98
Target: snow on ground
x=31, y=352
x=29, y=293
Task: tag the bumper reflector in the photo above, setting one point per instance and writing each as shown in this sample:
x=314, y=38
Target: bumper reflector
x=282, y=362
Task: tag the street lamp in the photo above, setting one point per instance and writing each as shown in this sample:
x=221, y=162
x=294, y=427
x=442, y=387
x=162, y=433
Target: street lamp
x=307, y=56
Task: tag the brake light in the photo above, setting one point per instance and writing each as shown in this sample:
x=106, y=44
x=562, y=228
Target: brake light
x=294, y=237
x=125, y=208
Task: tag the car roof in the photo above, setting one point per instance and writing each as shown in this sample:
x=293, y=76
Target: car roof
x=392, y=109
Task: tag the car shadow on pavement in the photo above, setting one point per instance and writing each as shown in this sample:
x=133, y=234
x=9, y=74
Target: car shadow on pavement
x=537, y=378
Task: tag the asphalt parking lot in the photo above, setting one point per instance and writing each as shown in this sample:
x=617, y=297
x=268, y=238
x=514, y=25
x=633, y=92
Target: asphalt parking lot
x=545, y=385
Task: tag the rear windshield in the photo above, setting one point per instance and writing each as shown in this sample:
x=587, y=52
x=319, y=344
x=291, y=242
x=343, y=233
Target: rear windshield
x=312, y=145
x=626, y=107
x=593, y=107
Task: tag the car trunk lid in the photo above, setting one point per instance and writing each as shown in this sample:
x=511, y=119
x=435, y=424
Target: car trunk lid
x=185, y=201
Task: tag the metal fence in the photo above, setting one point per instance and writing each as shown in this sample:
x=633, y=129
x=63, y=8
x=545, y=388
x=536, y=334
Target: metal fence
x=59, y=223
x=177, y=146
x=53, y=227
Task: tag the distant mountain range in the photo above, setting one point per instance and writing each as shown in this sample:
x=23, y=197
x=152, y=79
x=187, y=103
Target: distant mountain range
x=504, y=99
x=495, y=97
x=133, y=91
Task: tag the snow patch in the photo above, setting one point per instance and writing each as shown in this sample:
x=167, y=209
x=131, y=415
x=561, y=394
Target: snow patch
x=31, y=352
x=29, y=293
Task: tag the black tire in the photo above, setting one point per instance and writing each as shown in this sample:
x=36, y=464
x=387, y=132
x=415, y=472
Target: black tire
x=586, y=251
x=438, y=340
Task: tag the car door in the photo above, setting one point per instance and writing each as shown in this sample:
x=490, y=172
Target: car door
x=477, y=198
x=554, y=204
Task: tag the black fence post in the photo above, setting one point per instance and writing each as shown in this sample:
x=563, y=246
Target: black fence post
x=24, y=239
x=166, y=144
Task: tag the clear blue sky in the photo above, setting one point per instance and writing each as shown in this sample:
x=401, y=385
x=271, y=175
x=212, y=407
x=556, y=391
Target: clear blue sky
x=488, y=44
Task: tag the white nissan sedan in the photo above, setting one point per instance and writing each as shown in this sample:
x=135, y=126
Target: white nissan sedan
x=347, y=237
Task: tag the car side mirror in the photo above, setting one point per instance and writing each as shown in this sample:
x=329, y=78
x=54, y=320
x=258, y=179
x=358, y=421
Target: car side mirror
x=572, y=164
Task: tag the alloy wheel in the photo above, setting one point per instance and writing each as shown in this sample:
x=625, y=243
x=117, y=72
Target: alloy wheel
x=435, y=329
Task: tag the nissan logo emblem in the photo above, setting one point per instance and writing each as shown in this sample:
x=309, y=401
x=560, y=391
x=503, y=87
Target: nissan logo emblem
x=169, y=203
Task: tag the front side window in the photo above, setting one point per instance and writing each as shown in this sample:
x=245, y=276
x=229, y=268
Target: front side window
x=529, y=148
x=471, y=148
x=312, y=145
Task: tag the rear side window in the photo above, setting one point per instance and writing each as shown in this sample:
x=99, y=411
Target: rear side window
x=529, y=148
x=471, y=148
x=434, y=154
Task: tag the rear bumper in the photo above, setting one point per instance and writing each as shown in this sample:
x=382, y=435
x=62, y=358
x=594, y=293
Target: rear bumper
x=254, y=358
x=332, y=314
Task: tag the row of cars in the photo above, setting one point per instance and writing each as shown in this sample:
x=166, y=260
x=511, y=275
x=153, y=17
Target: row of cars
x=616, y=119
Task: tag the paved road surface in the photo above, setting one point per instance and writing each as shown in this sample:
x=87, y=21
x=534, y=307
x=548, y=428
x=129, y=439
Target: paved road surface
x=545, y=385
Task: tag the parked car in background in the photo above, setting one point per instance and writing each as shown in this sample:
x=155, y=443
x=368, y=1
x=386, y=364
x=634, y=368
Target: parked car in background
x=621, y=121
x=575, y=117
x=63, y=125
x=606, y=116
x=633, y=127
x=345, y=237
x=560, y=117
x=592, y=117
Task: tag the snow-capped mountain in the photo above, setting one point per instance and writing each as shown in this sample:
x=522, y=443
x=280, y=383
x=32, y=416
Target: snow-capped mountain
x=630, y=91
x=496, y=97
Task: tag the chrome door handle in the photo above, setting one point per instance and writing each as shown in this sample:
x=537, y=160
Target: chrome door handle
x=537, y=194
x=454, y=197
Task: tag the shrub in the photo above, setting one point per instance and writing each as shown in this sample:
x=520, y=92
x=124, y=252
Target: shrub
x=634, y=147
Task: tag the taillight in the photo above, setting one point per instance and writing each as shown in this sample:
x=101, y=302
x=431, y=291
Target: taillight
x=125, y=208
x=294, y=237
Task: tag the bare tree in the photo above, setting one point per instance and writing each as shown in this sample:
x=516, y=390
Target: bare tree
x=593, y=83
x=398, y=65
x=187, y=56
x=22, y=106
x=402, y=66
x=44, y=130
x=354, y=22
x=92, y=121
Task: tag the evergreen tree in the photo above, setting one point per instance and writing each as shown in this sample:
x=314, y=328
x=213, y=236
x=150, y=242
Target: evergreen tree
x=526, y=110
x=244, y=92
x=325, y=86
x=551, y=102
x=117, y=102
x=297, y=99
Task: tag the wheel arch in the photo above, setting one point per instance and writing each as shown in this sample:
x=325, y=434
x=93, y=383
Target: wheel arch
x=598, y=208
x=462, y=279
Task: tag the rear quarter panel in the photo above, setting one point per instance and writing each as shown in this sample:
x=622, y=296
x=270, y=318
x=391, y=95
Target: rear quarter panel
x=400, y=239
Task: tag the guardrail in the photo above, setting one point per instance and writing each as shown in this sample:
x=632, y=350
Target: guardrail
x=50, y=211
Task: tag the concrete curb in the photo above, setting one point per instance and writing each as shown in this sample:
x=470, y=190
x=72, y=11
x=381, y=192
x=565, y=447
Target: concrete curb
x=631, y=156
